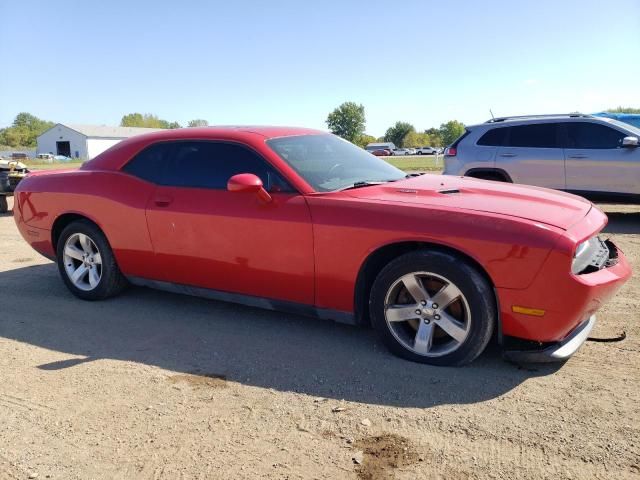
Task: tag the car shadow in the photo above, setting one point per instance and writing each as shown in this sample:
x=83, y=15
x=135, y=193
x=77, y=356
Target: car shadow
x=623, y=222
x=246, y=345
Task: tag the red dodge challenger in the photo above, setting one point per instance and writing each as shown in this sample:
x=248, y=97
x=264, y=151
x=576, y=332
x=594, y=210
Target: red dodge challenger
x=299, y=220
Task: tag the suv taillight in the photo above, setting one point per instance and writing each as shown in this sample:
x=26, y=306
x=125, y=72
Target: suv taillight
x=450, y=152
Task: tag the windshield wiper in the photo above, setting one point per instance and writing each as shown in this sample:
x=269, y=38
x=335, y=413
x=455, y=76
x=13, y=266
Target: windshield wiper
x=359, y=185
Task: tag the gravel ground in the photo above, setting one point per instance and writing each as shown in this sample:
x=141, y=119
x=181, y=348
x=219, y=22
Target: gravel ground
x=162, y=386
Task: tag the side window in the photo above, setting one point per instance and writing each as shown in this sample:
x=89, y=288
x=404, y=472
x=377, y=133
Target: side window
x=536, y=135
x=494, y=138
x=211, y=164
x=149, y=164
x=592, y=136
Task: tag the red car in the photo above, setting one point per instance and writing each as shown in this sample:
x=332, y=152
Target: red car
x=382, y=152
x=299, y=220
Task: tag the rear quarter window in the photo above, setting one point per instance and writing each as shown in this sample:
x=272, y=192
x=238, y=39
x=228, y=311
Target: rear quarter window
x=495, y=137
x=150, y=163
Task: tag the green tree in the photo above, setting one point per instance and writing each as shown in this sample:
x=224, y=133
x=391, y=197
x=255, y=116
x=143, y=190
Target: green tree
x=147, y=120
x=450, y=131
x=198, y=122
x=364, y=140
x=398, y=133
x=24, y=130
x=347, y=121
x=624, y=110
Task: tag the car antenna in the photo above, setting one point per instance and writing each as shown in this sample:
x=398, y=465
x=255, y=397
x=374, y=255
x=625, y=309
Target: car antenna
x=492, y=117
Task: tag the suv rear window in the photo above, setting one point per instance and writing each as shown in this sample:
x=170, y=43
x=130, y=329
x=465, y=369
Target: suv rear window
x=537, y=135
x=494, y=138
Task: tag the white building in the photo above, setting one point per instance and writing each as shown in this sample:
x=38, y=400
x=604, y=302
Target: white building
x=84, y=141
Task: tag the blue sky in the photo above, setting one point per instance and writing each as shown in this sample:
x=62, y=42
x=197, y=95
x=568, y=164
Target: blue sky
x=291, y=62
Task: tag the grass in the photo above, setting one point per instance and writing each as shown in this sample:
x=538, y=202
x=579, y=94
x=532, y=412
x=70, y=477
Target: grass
x=420, y=163
x=36, y=165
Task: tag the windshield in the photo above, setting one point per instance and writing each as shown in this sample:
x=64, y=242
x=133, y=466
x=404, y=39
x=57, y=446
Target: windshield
x=330, y=163
x=627, y=125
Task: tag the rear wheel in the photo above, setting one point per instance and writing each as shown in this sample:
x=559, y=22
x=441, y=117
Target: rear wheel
x=86, y=262
x=433, y=307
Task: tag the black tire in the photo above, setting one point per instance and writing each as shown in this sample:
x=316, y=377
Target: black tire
x=472, y=284
x=111, y=282
x=4, y=205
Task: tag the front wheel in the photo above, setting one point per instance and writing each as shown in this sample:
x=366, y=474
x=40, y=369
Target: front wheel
x=86, y=262
x=433, y=307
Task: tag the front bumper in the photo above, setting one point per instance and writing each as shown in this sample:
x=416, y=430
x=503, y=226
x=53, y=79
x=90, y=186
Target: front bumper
x=558, y=351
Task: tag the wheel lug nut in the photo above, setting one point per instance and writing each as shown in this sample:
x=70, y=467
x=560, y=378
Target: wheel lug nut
x=418, y=312
x=426, y=320
x=436, y=317
x=435, y=305
x=423, y=303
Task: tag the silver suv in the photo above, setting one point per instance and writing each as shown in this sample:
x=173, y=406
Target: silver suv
x=574, y=152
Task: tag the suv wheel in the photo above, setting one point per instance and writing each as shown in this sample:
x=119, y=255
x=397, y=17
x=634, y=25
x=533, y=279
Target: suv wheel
x=433, y=307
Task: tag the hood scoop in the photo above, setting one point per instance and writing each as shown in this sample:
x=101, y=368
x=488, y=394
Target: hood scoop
x=450, y=191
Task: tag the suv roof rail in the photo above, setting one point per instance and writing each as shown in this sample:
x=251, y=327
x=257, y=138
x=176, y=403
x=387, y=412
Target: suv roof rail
x=549, y=115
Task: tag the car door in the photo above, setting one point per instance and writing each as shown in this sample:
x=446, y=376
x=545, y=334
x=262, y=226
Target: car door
x=532, y=155
x=596, y=161
x=204, y=235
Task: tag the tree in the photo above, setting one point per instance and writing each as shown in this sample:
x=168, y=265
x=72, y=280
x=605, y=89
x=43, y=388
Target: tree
x=147, y=120
x=24, y=130
x=435, y=139
x=624, y=110
x=450, y=131
x=398, y=132
x=364, y=140
x=347, y=121
x=198, y=122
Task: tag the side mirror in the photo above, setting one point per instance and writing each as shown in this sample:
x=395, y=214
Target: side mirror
x=248, y=183
x=630, y=142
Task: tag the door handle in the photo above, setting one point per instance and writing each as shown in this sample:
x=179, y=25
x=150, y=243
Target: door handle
x=508, y=155
x=578, y=156
x=163, y=200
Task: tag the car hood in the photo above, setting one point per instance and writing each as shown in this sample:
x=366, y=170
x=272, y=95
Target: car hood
x=542, y=205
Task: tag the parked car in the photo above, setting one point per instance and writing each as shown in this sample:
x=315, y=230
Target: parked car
x=427, y=151
x=299, y=220
x=630, y=118
x=371, y=147
x=400, y=151
x=62, y=158
x=410, y=151
x=577, y=153
x=382, y=153
x=45, y=157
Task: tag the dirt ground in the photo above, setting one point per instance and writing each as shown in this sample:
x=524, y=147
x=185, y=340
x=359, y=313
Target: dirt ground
x=161, y=386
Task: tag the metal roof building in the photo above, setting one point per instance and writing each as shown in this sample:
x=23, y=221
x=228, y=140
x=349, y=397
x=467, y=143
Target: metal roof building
x=84, y=141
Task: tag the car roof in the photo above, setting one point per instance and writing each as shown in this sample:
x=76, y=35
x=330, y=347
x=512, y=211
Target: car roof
x=112, y=158
x=525, y=120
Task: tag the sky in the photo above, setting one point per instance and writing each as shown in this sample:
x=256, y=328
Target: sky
x=285, y=62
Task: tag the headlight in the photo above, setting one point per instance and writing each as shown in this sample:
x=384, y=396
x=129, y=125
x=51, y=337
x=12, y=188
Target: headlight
x=592, y=252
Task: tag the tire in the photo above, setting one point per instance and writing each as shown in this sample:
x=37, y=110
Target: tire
x=4, y=204
x=102, y=277
x=469, y=318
